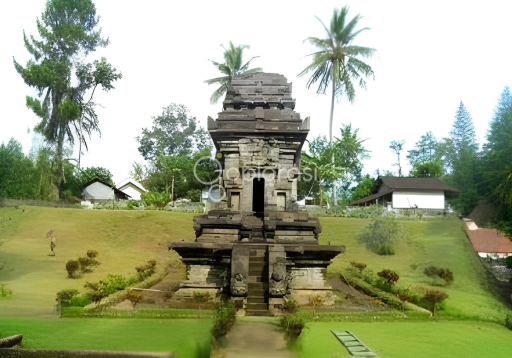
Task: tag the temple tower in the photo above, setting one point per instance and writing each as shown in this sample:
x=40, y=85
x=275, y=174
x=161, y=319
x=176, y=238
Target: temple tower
x=254, y=244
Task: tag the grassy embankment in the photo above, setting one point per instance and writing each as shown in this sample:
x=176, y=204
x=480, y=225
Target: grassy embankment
x=124, y=239
x=187, y=338
x=438, y=242
x=128, y=238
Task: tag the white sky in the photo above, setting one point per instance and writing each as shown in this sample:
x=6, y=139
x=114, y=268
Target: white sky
x=431, y=55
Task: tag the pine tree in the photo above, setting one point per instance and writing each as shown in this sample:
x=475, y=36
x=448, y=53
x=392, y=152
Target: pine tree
x=461, y=160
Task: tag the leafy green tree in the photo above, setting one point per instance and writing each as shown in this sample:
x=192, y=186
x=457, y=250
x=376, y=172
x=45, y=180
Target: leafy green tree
x=349, y=153
x=232, y=66
x=433, y=169
x=17, y=174
x=174, y=132
x=337, y=61
x=318, y=167
x=397, y=146
x=364, y=188
x=67, y=34
x=426, y=150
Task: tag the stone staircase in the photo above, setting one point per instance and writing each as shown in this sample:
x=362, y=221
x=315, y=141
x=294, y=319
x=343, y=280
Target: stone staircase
x=257, y=297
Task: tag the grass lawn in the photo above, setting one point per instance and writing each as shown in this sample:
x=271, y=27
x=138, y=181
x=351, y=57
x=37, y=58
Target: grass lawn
x=438, y=242
x=466, y=339
x=186, y=337
x=124, y=239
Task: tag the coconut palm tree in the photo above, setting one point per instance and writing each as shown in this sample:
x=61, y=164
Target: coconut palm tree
x=337, y=62
x=231, y=67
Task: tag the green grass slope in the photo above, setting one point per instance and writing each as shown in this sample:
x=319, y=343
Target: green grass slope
x=124, y=239
x=187, y=338
x=438, y=242
x=469, y=339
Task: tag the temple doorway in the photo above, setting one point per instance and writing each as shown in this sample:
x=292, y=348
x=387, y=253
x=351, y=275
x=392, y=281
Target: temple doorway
x=258, y=196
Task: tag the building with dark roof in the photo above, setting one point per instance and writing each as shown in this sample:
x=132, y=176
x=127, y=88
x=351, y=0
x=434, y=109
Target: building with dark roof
x=405, y=193
x=98, y=190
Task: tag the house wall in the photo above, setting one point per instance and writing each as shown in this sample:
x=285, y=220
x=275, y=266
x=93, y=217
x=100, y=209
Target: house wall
x=424, y=200
x=97, y=191
x=130, y=190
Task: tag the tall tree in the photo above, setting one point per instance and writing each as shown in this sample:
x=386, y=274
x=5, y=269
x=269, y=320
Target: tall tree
x=174, y=132
x=337, y=63
x=461, y=159
x=397, y=146
x=233, y=65
x=67, y=31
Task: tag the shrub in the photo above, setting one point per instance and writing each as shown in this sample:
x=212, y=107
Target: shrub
x=508, y=262
x=358, y=265
x=64, y=296
x=371, y=211
x=135, y=296
x=5, y=293
x=391, y=276
x=403, y=297
x=430, y=271
x=420, y=214
x=316, y=300
x=290, y=306
x=147, y=270
x=224, y=318
x=72, y=267
x=446, y=274
x=434, y=296
x=508, y=321
x=132, y=204
x=112, y=283
x=386, y=249
x=294, y=323
x=413, y=266
x=81, y=300
x=158, y=200
x=379, y=232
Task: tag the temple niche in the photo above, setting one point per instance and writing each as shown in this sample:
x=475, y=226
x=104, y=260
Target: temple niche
x=255, y=245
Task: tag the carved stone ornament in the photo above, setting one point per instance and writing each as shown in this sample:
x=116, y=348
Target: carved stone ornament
x=238, y=285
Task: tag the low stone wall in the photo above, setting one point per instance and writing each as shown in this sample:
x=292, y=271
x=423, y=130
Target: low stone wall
x=39, y=353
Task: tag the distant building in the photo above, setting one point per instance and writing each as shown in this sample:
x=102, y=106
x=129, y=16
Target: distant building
x=132, y=188
x=99, y=191
x=487, y=242
x=405, y=193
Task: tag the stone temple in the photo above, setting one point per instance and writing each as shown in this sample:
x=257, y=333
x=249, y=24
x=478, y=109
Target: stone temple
x=255, y=245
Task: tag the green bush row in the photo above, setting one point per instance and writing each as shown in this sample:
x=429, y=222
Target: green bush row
x=138, y=313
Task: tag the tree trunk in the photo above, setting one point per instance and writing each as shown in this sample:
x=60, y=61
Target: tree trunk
x=199, y=311
x=330, y=131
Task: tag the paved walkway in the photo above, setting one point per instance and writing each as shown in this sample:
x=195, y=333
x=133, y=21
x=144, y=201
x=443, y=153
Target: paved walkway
x=250, y=338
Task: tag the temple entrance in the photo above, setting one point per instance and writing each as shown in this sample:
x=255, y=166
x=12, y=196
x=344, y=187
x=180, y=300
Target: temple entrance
x=258, y=196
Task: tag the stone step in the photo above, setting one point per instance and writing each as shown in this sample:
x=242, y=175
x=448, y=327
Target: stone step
x=256, y=259
x=256, y=272
x=257, y=306
x=255, y=292
x=257, y=313
x=255, y=299
x=256, y=286
x=256, y=265
x=254, y=279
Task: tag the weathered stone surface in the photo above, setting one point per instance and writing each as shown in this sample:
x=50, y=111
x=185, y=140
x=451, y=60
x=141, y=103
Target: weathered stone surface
x=11, y=341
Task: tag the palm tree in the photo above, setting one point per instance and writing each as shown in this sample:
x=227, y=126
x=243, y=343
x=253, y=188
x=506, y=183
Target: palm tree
x=336, y=62
x=232, y=67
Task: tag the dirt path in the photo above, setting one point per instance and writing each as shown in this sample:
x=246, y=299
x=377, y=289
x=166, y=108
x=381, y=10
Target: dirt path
x=254, y=339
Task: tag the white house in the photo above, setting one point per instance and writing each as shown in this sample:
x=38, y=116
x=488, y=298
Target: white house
x=132, y=188
x=98, y=190
x=405, y=193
